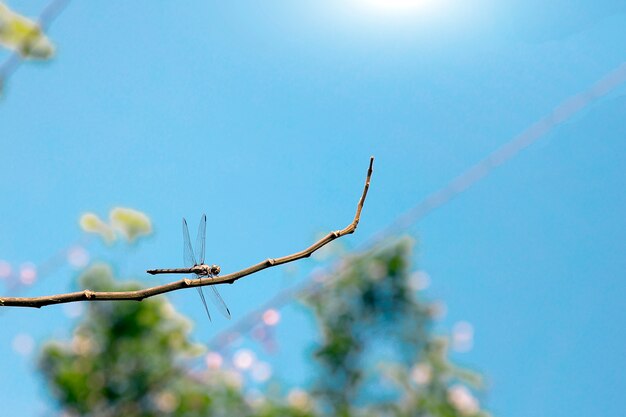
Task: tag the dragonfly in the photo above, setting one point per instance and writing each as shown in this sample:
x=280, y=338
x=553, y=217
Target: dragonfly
x=194, y=264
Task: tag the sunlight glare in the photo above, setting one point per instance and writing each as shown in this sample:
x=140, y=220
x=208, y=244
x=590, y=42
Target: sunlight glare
x=399, y=5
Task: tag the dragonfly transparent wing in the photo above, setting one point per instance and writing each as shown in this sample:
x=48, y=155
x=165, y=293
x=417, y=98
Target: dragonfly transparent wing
x=204, y=302
x=218, y=302
x=201, y=240
x=200, y=249
x=190, y=261
x=188, y=257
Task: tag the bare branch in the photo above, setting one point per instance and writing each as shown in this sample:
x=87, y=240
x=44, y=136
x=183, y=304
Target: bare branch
x=88, y=295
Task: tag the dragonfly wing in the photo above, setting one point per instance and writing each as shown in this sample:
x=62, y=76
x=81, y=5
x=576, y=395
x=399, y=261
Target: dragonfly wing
x=219, y=302
x=201, y=240
x=204, y=302
x=188, y=257
x=190, y=261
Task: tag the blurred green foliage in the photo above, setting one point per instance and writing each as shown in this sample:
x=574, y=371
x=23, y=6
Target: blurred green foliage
x=129, y=223
x=132, y=359
x=23, y=35
x=377, y=355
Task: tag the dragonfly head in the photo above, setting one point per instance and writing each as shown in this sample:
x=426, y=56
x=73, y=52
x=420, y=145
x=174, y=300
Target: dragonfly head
x=215, y=269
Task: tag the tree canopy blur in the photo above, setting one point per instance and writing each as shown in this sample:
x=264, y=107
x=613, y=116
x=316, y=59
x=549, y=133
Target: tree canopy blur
x=377, y=354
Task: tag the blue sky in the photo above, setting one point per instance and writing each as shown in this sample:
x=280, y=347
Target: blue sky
x=264, y=114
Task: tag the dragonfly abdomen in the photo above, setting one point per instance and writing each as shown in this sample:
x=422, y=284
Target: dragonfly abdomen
x=170, y=271
x=205, y=270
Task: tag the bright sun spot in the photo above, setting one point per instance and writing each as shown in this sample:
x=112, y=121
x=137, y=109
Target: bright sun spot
x=399, y=5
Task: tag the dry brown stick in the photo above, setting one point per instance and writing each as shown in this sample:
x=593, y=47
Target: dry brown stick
x=88, y=295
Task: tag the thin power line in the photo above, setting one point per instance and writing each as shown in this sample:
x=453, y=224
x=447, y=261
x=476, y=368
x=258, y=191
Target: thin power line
x=561, y=113
x=471, y=176
x=52, y=10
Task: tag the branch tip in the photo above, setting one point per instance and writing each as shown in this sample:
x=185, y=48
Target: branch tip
x=139, y=295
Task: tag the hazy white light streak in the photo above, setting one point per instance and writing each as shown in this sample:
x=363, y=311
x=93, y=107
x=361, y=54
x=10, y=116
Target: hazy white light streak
x=561, y=113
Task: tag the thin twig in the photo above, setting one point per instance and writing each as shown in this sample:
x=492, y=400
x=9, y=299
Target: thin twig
x=444, y=195
x=88, y=295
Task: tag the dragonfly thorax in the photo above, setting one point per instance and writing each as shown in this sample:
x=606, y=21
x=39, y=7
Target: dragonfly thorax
x=206, y=270
x=195, y=264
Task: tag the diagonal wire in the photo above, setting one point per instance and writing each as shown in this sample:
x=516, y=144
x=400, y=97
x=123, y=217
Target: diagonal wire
x=7, y=68
x=458, y=185
x=561, y=113
x=47, y=16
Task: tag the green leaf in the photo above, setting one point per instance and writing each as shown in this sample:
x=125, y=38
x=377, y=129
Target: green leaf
x=131, y=223
x=91, y=223
x=23, y=35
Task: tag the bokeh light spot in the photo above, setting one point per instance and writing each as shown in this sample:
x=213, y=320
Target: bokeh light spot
x=298, y=398
x=462, y=399
x=462, y=336
x=243, y=359
x=23, y=344
x=78, y=257
x=419, y=281
x=421, y=373
x=28, y=273
x=213, y=360
x=271, y=317
x=5, y=269
x=261, y=371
